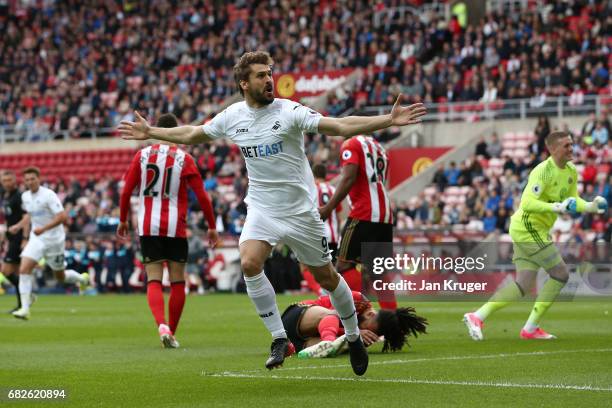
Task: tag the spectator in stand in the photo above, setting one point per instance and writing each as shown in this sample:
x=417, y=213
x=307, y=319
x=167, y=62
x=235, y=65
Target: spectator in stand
x=490, y=93
x=503, y=220
x=452, y=174
x=493, y=201
x=465, y=175
x=600, y=134
x=494, y=147
x=589, y=173
x=481, y=149
x=589, y=125
x=541, y=131
x=440, y=179
x=576, y=98
x=489, y=221
x=509, y=165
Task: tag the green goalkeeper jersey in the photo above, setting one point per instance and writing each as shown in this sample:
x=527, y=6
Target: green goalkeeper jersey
x=547, y=184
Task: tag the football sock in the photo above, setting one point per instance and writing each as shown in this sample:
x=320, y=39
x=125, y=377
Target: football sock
x=14, y=279
x=25, y=290
x=502, y=298
x=386, y=298
x=545, y=299
x=175, y=304
x=342, y=300
x=155, y=297
x=262, y=295
x=329, y=327
x=72, y=276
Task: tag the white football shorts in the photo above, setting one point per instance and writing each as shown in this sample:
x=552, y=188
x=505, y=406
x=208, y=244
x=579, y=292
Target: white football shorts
x=304, y=233
x=53, y=253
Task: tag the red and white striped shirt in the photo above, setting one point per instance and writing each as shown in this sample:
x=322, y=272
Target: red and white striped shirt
x=369, y=197
x=325, y=192
x=163, y=173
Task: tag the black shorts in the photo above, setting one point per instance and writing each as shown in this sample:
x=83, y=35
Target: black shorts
x=13, y=250
x=333, y=247
x=156, y=249
x=356, y=232
x=292, y=316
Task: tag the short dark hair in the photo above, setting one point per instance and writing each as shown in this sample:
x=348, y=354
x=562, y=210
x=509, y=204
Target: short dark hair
x=319, y=171
x=8, y=173
x=31, y=170
x=397, y=325
x=242, y=69
x=167, y=120
x=554, y=137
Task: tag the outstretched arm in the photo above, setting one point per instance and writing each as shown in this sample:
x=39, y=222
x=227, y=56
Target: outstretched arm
x=141, y=130
x=355, y=125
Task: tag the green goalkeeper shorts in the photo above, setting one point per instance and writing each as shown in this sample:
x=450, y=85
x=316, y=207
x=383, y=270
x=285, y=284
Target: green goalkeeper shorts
x=533, y=251
x=531, y=256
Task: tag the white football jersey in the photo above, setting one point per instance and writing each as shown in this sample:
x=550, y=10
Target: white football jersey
x=272, y=142
x=42, y=207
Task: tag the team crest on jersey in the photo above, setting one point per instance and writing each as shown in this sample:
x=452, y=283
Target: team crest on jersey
x=536, y=189
x=570, y=180
x=346, y=155
x=276, y=126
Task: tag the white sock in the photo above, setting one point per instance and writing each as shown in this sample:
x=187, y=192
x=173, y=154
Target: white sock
x=25, y=290
x=72, y=276
x=262, y=294
x=342, y=300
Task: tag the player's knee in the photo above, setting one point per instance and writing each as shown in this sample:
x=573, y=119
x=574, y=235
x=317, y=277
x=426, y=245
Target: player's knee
x=559, y=273
x=25, y=269
x=524, y=285
x=250, y=267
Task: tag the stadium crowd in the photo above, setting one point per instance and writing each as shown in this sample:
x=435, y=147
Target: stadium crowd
x=558, y=50
x=85, y=64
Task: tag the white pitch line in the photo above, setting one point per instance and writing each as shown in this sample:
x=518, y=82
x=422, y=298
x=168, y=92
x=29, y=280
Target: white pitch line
x=449, y=358
x=416, y=381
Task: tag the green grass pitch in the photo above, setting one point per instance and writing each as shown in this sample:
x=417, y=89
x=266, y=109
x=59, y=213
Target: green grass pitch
x=105, y=352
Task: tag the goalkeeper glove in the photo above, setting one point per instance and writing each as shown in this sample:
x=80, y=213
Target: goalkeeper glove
x=599, y=205
x=568, y=206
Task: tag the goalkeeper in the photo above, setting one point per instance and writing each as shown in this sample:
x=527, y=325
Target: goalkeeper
x=551, y=190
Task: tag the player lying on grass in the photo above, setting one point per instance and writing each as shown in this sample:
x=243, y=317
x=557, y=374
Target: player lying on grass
x=314, y=328
x=551, y=190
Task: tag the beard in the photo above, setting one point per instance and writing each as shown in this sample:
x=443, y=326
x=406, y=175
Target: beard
x=261, y=98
